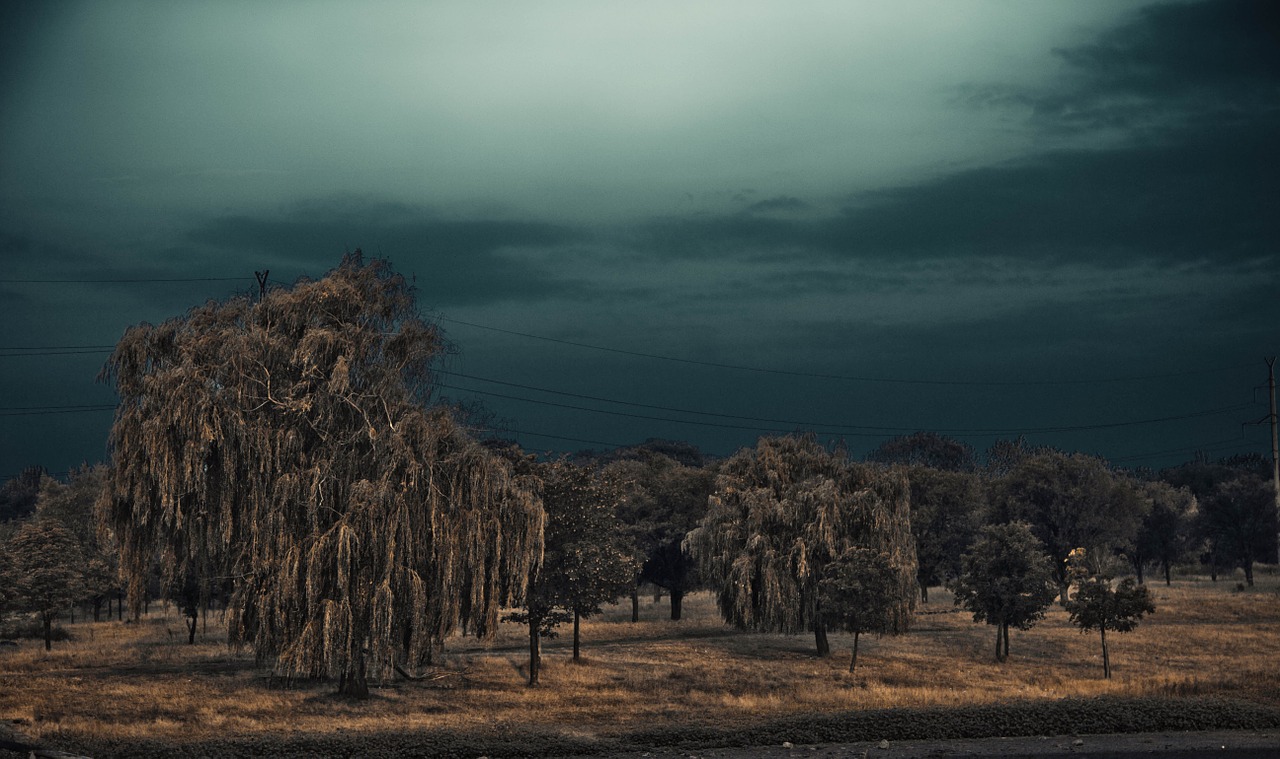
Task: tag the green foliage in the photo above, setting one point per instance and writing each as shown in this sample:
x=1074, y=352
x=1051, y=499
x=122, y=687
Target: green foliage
x=44, y=572
x=926, y=449
x=780, y=514
x=665, y=500
x=1237, y=518
x=587, y=560
x=1099, y=606
x=859, y=592
x=1070, y=501
x=946, y=512
x=1165, y=535
x=1006, y=580
x=74, y=505
x=285, y=442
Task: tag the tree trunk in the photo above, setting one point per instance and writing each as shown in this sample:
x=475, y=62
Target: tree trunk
x=677, y=603
x=48, y=630
x=119, y=607
x=1106, y=660
x=820, y=637
x=1005, y=635
x=635, y=604
x=97, y=608
x=577, y=658
x=192, y=619
x=535, y=652
x=1168, y=580
x=853, y=662
x=1138, y=566
x=1248, y=572
x=353, y=682
x=924, y=594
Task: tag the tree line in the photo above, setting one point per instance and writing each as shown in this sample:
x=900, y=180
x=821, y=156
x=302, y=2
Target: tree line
x=289, y=456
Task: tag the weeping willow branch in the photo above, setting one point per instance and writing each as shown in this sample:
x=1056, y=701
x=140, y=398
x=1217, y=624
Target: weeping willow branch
x=355, y=519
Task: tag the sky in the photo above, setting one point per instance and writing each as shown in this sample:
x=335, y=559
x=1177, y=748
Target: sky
x=699, y=222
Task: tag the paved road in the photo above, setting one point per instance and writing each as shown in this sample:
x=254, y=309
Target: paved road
x=1231, y=744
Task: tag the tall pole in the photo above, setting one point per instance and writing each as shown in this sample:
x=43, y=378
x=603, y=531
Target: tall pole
x=1275, y=447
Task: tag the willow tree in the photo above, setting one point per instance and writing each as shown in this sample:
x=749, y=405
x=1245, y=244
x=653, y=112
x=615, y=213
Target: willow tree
x=780, y=514
x=285, y=442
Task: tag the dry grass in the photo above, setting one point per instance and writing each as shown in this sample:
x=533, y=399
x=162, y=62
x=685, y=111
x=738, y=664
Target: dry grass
x=127, y=682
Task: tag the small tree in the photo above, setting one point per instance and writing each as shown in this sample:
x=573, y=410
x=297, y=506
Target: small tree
x=859, y=594
x=585, y=561
x=1098, y=606
x=45, y=571
x=1006, y=580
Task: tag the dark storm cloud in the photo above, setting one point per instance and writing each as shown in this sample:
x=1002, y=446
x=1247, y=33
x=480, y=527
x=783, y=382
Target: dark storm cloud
x=1194, y=92
x=458, y=261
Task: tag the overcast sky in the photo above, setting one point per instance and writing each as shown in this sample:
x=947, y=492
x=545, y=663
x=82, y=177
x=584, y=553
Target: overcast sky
x=1023, y=216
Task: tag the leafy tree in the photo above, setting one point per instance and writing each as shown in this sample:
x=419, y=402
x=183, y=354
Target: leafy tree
x=1070, y=501
x=18, y=494
x=285, y=442
x=586, y=561
x=1005, y=455
x=665, y=502
x=1238, y=518
x=859, y=594
x=73, y=505
x=1098, y=606
x=1006, y=580
x=44, y=571
x=780, y=514
x=946, y=512
x=1165, y=535
x=926, y=449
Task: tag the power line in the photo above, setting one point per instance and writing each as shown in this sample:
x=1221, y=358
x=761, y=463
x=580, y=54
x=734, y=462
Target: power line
x=55, y=347
x=845, y=377
x=801, y=424
x=136, y=280
x=54, y=410
x=34, y=353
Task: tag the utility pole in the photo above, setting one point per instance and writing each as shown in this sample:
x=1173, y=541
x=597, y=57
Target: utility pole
x=1275, y=448
x=262, y=286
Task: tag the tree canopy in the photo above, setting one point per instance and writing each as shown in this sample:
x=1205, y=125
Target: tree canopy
x=784, y=510
x=1070, y=501
x=1099, y=606
x=1007, y=580
x=44, y=571
x=286, y=442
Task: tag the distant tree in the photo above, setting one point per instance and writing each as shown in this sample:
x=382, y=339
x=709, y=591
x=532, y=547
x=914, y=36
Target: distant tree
x=18, y=494
x=946, y=512
x=780, y=514
x=1099, y=606
x=664, y=502
x=926, y=449
x=1165, y=535
x=74, y=506
x=1007, y=580
x=1005, y=455
x=44, y=571
x=286, y=441
x=1238, y=519
x=859, y=594
x=1070, y=501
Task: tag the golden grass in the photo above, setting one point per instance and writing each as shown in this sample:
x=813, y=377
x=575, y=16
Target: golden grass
x=124, y=681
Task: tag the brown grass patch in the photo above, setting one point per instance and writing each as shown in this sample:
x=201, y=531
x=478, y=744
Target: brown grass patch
x=130, y=682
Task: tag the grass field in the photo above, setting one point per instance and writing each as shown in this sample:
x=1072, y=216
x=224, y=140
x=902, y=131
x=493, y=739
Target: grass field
x=125, y=682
